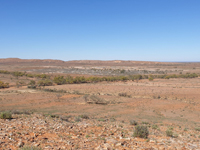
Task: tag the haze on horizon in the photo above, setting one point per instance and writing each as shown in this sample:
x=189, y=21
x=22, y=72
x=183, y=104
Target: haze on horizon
x=144, y=30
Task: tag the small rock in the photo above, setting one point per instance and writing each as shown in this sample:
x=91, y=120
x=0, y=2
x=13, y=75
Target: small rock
x=118, y=144
x=20, y=144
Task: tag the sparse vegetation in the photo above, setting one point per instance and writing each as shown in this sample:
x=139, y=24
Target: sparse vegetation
x=84, y=116
x=77, y=119
x=30, y=148
x=133, y=122
x=150, y=78
x=197, y=128
x=6, y=115
x=4, y=85
x=94, y=100
x=46, y=82
x=124, y=95
x=155, y=126
x=141, y=131
x=169, y=132
x=59, y=80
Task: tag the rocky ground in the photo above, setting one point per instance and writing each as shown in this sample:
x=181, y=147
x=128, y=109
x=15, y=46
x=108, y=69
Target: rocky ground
x=83, y=132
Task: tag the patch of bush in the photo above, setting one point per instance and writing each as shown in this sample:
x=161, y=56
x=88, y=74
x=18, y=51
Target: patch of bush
x=77, y=119
x=124, y=95
x=4, y=85
x=43, y=76
x=4, y=72
x=32, y=82
x=84, y=116
x=54, y=116
x=169, y=133
x=155, y=126
x=79, y=80
x=65, y=118
x=32, y=86
x=18, y=74
x=94, y=100
x=30, y=75
x=133, y=122
x=22, y=112
x=30, y=148
x=59, y=80
x=6, y=115
x=150, y=78
x=197, y=128
x=141, y=131
x=144, y=122
x=46, y=82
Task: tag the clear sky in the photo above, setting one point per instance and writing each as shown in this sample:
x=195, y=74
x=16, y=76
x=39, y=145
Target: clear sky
x=149, y=30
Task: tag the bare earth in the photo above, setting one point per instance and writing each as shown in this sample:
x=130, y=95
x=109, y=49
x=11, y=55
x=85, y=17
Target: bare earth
x=165, y=103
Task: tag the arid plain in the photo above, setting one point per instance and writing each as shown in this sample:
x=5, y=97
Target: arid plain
x=100, y=114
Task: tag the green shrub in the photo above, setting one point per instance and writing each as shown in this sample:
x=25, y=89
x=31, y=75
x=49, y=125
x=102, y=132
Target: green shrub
x=4, y=72
x=18, y=74
x=79, y=80
x=43, y=76
x=32, y=82
x=69, y=79
x=169, y=133
x=4, y=85
x=6, y=115
x=59, y=80
x=155, y=126
x=30, y=75
x=150, y=78
x=141, y=131
x=46, y=82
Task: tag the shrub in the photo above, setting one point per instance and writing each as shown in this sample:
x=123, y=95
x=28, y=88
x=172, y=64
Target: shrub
x=79, y=80
x=69, y=79
x=133, y=122
x=43, y=76
x=32, y=82
x=197, y=128
x=150, y=78
x=155, y=126
x=30, y=75
x=77, y=119
x=59, y=80
x=124, y=95
x=31, y=86
x=4, y=85
x=30, y=148
x=141, y=131
x=84, y=116
x=123, y=71
x=169, y=133
x=18, y=74
x=54, y=116
x=95, y=100
x=6, y=115
x=45, y=82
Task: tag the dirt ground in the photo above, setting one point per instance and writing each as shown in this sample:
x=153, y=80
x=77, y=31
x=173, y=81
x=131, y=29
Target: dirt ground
x=161, y=101
x=173, y=100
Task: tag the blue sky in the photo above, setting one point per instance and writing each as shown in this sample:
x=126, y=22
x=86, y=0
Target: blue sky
x=148, y=30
